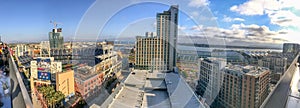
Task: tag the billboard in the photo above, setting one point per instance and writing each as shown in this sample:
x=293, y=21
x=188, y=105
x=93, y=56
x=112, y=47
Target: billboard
x=33, y=69
x=56, y=67
x=44, y=75
x=44, y=68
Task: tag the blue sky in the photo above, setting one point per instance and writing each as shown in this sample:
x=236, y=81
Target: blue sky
x=30, y=20
x=274, y=21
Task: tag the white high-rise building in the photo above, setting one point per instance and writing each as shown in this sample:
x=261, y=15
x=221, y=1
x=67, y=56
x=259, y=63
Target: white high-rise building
x=210, y=78
x=159, y=52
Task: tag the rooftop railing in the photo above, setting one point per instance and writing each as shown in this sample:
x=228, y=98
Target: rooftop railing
x=26, y=97
x=279, y=95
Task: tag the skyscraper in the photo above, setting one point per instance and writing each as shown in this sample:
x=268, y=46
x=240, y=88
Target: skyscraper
x=56, y=38
x=159, y=52
x=167, y=30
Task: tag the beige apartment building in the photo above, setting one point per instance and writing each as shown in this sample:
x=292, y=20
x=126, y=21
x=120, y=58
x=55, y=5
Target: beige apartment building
x=65, y=82
x=149, y=53
x=255, y=87
x=243, y=87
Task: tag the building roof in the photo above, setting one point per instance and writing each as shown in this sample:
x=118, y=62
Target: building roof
x=155, y=84
x=138, y=79
x=213, y=59
x=248, y=70
x=129, y=97
x=162, y=90
x=84, y=73
x=180, y=94
x=156, y=99
x=256, y=53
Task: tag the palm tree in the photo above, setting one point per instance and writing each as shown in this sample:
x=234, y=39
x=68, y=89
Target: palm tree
x=51, y=100
x=51, y=96
x=60, y=97
x=42, y=90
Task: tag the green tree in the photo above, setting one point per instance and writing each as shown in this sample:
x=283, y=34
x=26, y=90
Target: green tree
x=51, y=96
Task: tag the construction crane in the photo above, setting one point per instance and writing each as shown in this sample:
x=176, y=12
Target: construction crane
x=55, y=23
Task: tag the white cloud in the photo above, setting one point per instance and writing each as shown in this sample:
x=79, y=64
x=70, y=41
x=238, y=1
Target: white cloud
x=198, y=3
x=214, y=18
x=198, y=28
x=229, y=19
x=261, y=7
x=275, y=9
x=290, y=35
x=291, y=3
x=284, y=18
x=206, y=18
x=181, y=28
x=238, y=19
x=242, y=32
x=194, y=14
x=256, y=7
x=248, y=8
x=154, y=24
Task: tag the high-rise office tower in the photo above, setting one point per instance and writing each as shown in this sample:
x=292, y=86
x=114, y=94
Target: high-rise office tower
x=159, y=52
x=56, y=38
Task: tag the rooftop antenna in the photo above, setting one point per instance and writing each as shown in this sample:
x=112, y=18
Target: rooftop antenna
x=55, y=23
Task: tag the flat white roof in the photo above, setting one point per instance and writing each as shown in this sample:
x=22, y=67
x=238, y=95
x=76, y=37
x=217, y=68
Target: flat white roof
x=129, y=97
x=155, y=90
x=156, y=99
x=137, y=79
x=180, y=94
x=155, y=84
x=156, y=75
